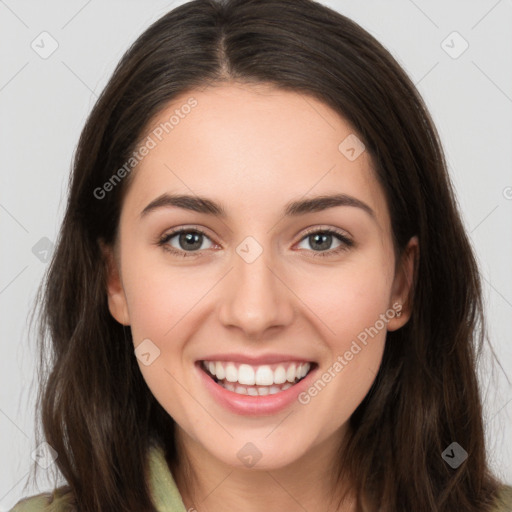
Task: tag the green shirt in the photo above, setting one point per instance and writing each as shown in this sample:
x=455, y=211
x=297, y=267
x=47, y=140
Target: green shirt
x=166, y=495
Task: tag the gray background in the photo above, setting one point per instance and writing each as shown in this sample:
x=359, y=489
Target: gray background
x=44, y=103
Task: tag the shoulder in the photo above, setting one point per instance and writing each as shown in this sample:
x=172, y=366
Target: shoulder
x=504, y=499
x=60, y=500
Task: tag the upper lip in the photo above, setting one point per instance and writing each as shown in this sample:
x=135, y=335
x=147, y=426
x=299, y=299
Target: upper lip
x=256, y=360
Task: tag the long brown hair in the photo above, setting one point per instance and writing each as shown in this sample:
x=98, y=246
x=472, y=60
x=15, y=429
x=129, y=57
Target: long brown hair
x=96, y=410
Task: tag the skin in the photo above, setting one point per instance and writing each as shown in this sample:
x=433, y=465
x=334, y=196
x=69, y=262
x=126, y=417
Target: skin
x=239, y=146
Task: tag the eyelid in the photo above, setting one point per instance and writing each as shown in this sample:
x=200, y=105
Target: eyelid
x=187, y=227
x=328, y=229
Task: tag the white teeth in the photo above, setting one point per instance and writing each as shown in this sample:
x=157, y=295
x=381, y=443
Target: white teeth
x=219, y=371
x=246, y=375
x=264, y=375
x=241, y=390
x=279, y=375
x=231, y=373
x=254, y=390
x=290, y=373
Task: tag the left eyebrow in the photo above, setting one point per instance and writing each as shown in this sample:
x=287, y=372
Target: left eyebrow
x=292, y=209
x=320, y=203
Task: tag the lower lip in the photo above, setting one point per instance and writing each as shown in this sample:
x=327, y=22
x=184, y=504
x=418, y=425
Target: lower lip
x=249, y=405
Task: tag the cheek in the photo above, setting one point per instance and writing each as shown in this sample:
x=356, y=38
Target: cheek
x=159, y=295
x=352, y=305
x=351, y=299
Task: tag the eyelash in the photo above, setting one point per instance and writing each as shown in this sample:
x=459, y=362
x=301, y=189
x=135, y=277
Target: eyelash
x=346, y=243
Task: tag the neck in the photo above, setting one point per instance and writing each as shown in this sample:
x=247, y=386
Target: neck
x=206, y=484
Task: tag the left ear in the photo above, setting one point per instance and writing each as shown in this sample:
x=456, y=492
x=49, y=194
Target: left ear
x=403, y=285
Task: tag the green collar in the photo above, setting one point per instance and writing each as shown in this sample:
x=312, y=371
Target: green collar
x=164, y=491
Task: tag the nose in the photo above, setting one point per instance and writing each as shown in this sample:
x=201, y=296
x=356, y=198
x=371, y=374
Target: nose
x=255, y=298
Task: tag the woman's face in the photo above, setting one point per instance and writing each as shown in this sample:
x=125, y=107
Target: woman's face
x=277, y=284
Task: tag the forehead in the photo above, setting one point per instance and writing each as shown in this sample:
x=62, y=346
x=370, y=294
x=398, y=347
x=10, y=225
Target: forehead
x=253, y=145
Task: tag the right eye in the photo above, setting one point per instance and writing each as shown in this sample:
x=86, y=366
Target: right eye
x=187, y=240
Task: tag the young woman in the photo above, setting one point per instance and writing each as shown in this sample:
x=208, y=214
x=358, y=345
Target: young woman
x=262, y=297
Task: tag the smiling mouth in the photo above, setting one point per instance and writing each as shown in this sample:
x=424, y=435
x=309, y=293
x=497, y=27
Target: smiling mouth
x=252, y=380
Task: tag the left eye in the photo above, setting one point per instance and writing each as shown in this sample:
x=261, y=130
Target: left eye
x=323, y=239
